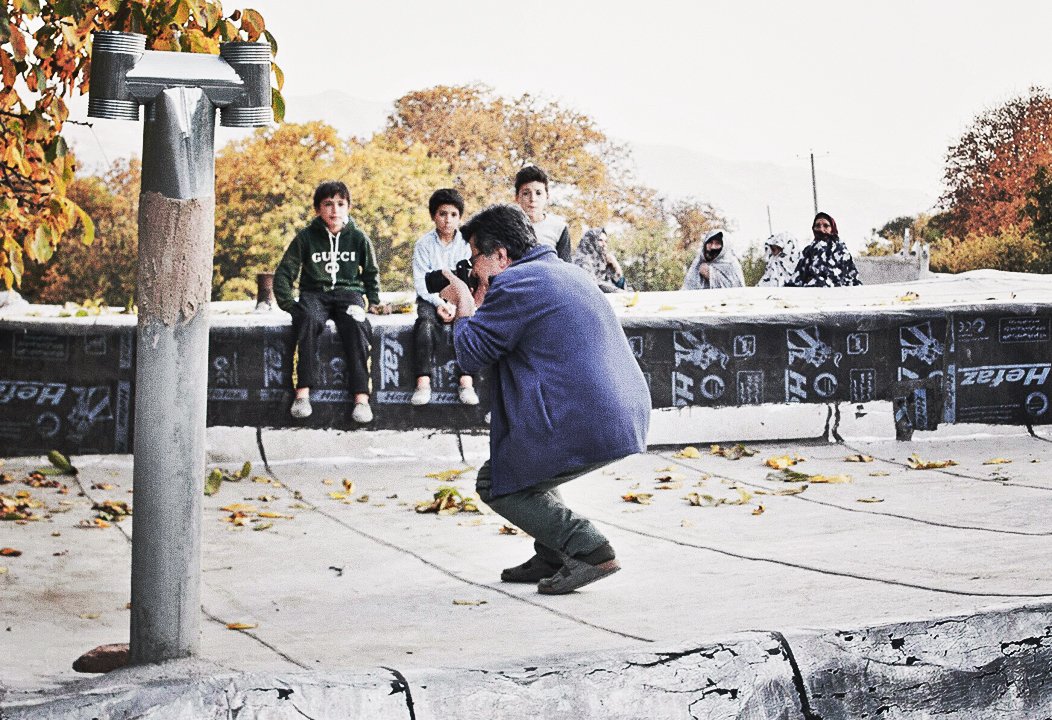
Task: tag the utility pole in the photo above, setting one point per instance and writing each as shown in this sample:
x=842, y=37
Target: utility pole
x=814, y=185
x=770, y=228
x=181, y=92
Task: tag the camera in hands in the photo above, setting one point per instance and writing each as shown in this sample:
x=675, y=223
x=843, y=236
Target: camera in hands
x=436, y=281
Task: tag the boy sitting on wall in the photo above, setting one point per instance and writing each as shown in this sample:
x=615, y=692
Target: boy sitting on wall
x=337, y=273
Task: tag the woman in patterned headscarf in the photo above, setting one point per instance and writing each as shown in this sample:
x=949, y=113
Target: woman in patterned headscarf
x=593, y=255
x=781, y=257
x=826, y=262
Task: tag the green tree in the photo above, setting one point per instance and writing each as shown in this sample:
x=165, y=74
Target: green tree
x=104, y=271
x=45, y=57
x=484, y=139
x=258, y=214
x=753, y=264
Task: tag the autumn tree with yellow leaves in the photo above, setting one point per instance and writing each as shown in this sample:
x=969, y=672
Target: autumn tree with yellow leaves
x=45, y=56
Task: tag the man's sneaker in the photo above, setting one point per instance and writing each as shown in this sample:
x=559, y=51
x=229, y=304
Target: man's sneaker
x=577, y=572
x=362, y=413
x=421, y=396
x=301, y=408
x=468, y=396
x=533, y=570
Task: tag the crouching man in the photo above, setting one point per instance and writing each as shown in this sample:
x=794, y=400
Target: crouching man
x=568, y=396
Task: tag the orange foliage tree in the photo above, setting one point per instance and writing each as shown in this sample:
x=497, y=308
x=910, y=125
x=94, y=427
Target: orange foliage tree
x=44, y=57
x=992, y=168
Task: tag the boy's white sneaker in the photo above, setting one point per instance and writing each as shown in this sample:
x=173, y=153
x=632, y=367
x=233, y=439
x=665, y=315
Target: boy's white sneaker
x=468, y=396
x=301, y=408
x=362, y=413
x=421, y=396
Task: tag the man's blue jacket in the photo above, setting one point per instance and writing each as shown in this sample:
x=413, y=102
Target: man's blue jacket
x=567, y=390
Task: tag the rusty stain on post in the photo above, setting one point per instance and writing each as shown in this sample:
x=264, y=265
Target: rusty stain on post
x=176, y=240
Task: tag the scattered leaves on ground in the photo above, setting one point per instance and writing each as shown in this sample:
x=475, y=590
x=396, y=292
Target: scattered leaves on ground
x=870, y=500
x=781, y=462
x=19, y=508
x=788, y=475
x=735, y=452
x=997, y=461
x=915, y=463
x=706, y=500
x=760, y=509
x=638, y=498
x=448, y=475
x=909, y=297
x=101, y=486
x=61, y=463
x=111, y=510
x=472, y=603
x=447, y=500
x=859, y=458
x=508, y=530
x=9, y=552
x=791, y=490
x=218, y=476
x=38, y=479
x=688, y=453
x=879, y=473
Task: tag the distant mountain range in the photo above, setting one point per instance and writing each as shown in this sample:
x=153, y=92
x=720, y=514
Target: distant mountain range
x=743, y=191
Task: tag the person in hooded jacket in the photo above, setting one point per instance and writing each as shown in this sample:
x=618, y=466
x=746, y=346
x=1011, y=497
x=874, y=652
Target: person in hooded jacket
x=593, y=255
x=781, y=258
x=826, y=262
x=335, y=266
x=715, y=266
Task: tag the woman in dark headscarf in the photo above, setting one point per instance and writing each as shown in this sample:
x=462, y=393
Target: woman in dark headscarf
x=826, y=262
x=593, y=255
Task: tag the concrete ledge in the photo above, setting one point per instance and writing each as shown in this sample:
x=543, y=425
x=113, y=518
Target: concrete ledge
x=991, y=665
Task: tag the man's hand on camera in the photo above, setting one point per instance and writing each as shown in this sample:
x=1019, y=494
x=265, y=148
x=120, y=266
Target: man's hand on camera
x=459, y=295
x=446, y=312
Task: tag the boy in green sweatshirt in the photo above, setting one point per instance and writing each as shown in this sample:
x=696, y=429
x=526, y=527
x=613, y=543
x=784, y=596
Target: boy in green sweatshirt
x=336, y=268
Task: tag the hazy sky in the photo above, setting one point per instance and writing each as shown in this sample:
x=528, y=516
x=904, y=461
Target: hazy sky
x=877, y=93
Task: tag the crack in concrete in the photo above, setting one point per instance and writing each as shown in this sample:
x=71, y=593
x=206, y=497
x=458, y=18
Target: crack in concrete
x=401, y=685
x=449, y=573
x=668, y=657
x=869, y=511
x=798, y=678
x=820, y=571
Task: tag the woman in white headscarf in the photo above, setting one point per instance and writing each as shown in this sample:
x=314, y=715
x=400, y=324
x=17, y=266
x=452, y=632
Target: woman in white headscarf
x=781, y=256
x=715, y=266
x=594, y=256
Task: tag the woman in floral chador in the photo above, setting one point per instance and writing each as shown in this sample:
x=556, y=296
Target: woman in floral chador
x=826, y=262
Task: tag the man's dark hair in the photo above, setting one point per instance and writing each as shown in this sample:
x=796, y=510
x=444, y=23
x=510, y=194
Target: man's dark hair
x=500, y=226
x=445, y=196
x=331, y=188
x=530, y=173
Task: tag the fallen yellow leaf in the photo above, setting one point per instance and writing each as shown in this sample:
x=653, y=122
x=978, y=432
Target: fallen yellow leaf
x=997, y=461
x=638, y=498
x=633, y=301
x=508, y=530
x=327, y=481
x=348, y=485
x=474, y=603
x=238, y=507
x=860, y=458
x=239, y=626
x=870, y=500
x=688, y=453
x=263, y=526
x=88, y=616
x=909, y=297
x=879, y=473
x=915, y=463
x=336, y=495
x=269, y=514
x=447, y=475
x=830, y=478
x=782, y=461
x=759, y=510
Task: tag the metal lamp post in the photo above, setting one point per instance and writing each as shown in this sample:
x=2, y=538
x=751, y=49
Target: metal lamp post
x=181, y=92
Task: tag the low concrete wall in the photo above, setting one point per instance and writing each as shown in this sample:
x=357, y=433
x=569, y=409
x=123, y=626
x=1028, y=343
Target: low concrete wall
x=884, y=269
x=68, y=383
